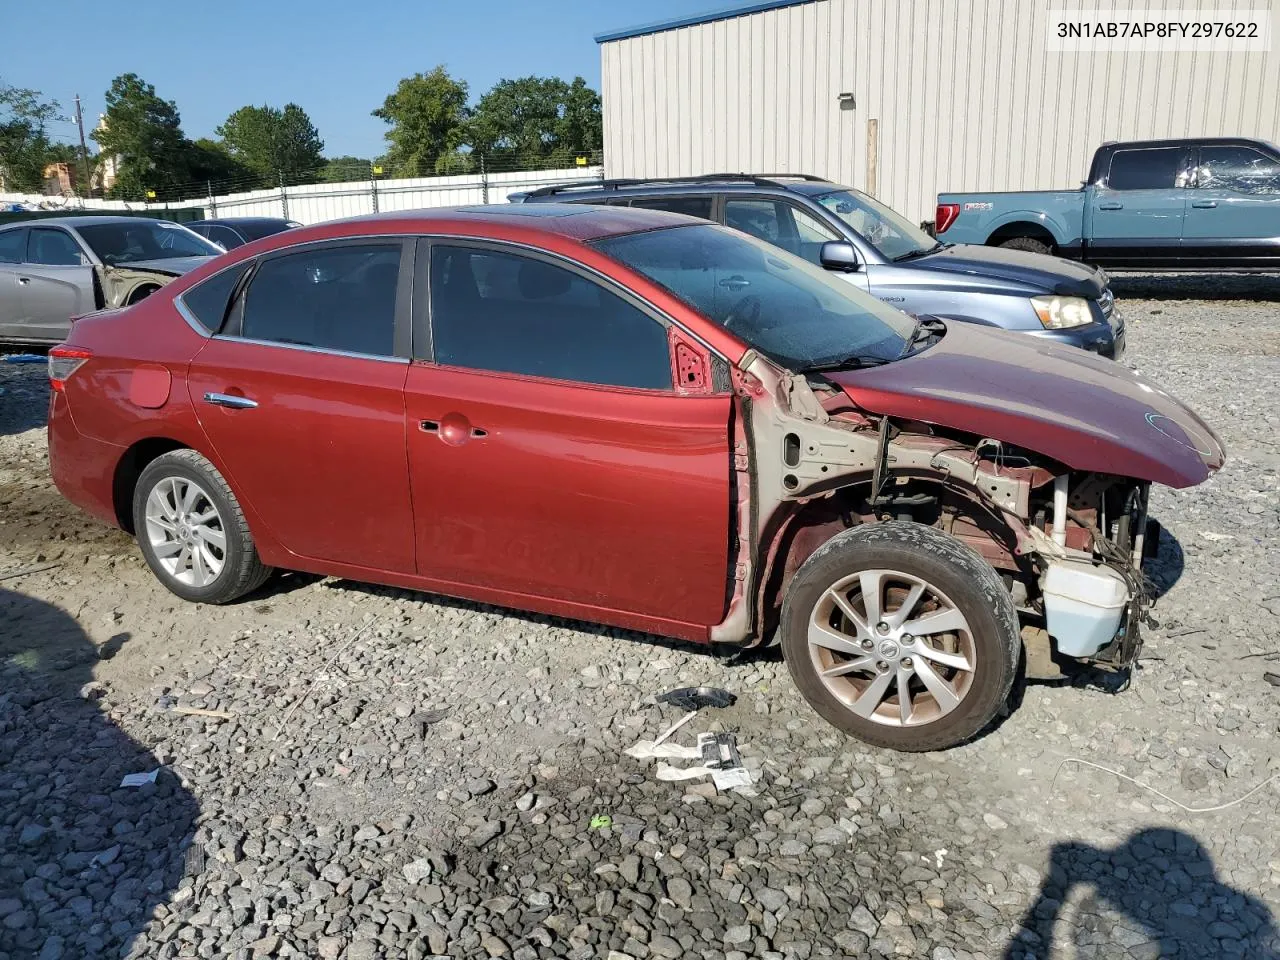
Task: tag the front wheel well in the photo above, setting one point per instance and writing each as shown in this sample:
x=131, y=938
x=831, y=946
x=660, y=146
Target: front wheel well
x=130, y=468
x=1022, y=228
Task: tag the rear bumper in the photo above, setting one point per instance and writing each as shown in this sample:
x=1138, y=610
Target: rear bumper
x=83, y=469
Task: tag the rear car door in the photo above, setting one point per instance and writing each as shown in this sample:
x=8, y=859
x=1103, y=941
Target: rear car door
x=55, y=283
x=1233, y=217
x=13, y=246
x=301, y=394
x=1137, y=213
x=552, y=457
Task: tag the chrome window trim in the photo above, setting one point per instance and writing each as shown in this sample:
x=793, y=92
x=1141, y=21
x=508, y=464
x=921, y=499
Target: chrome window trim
x=308, y=349
x=188, y=316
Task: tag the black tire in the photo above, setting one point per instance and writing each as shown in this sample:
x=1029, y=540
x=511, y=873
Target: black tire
x=242, y=572
x=1029, y=244
x=968, y=582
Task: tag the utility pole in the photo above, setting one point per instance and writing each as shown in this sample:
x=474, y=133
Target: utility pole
x=84, y=151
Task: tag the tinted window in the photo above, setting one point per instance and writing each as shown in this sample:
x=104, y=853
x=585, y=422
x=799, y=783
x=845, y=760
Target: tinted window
x=779, y=223
x=1241, y=169
x=335, y=298
x=790, y=310
x=142, y=239
x=689, y=206
x=53, y=248
x=1145, y=169
x=220, y=234
x=257, y=229
x=513, y=314
x=756, y=217
x=13, y=244
x=207, y=300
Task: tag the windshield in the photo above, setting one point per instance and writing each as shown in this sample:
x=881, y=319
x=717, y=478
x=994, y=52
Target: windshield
x=117, y=243
x=793, y=312
x=893, y=235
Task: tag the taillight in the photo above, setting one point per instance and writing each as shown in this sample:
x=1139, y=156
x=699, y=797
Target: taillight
x=945, y=216
x=63, y=362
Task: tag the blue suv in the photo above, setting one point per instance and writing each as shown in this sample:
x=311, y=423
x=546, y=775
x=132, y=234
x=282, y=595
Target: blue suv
x=873, y=247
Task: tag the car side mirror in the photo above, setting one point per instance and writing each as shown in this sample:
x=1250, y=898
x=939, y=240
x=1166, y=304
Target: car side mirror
x=839, y=255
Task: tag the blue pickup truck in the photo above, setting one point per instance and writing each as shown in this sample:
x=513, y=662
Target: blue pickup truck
x=1203, y=204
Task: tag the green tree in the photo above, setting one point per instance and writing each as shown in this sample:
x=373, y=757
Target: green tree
x=581, y=126
x=341, y=169
x=273, y=142
x=531, y=119
x=427, y=113
x=145, y=133
x=209, y=163
x=24, y=144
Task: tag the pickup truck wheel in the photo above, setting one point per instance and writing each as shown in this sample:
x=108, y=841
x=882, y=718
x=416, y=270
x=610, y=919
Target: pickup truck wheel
x=1029, y=244
x=901, y=636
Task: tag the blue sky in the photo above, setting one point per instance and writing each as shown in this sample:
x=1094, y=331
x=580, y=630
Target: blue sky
x=338, y=60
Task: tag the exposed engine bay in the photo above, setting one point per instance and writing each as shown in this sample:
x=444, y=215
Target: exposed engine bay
x=809, y=463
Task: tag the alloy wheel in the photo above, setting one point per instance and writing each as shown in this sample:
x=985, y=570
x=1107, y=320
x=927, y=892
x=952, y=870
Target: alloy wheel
x=186, y=531
x=891, y=647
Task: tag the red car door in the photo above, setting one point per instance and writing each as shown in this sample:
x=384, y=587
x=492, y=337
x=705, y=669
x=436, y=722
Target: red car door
x=302, y=398
x=550, y=456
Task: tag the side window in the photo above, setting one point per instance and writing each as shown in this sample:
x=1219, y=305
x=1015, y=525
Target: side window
x=811, y=234
x=207, y=300
x=1241, y=169
x=509, y=313
x=13, y=244
x=756, y=217
x=52, y=248
x=1145, y=169
x=689, y=206
x=225, y=236
x=332, y=297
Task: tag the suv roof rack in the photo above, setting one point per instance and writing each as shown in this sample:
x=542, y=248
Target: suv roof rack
x=762, y=180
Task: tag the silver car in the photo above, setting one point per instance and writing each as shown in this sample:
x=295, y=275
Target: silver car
x=54, y=269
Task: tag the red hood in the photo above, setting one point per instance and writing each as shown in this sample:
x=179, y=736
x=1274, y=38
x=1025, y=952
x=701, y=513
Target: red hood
x=1074, y=406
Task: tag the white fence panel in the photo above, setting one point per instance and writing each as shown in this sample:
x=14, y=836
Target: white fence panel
x=318, y=202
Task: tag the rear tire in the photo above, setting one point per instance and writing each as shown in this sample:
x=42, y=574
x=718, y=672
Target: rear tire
x=887, y=609
x=192, y=531
x=1029, y=244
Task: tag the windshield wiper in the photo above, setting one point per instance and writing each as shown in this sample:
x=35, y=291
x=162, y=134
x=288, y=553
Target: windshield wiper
x=912, y=254
x=855, y=361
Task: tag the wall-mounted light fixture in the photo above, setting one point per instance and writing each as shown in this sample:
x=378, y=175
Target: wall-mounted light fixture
x=846, y=101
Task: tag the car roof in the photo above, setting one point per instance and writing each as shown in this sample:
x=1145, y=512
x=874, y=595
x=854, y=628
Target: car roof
x=233, y=221
x=574, y=221
x=1182, y=142
x=81, y=221
x=767, y=183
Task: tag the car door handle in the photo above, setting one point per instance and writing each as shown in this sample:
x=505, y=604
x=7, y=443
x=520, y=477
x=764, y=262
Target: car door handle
x=735, y=283
x=1204, y=204
x=1111, y=205
x=453, y=429
x=230, y=400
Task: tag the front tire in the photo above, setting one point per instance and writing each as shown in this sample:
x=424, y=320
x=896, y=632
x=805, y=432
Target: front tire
x=901, y=636
x=192, y=531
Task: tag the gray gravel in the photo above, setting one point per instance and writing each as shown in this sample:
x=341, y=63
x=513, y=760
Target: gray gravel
x=428, y=789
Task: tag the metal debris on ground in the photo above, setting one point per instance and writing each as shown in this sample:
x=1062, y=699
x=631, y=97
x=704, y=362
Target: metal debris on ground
x=25, y=358
x=140, y=779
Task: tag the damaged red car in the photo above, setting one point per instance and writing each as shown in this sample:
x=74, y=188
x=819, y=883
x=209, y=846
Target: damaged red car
x=639, y=419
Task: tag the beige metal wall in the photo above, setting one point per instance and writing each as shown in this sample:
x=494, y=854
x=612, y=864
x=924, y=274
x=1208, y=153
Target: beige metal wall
x=964, y=92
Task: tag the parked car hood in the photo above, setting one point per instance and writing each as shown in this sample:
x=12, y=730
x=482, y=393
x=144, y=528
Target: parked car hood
x=1073, y=406
x=1048, y=274
x=175, y=266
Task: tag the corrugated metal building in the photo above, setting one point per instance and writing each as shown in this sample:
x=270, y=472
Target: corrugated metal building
x=907, y=99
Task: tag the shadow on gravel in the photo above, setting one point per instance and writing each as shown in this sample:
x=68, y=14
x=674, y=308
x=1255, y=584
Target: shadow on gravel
x=24, y=399
x=1186, y=286
x=1166, y=886
x=1165, y=569
x=83, y=861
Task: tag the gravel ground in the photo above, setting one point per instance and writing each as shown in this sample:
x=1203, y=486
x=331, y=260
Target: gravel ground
x=400, y=775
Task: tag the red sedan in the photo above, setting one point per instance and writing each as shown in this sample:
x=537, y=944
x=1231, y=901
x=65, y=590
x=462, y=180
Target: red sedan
x=635, y=418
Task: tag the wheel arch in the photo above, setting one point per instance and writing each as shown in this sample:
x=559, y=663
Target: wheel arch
x=129, y=468
x=1023, y=228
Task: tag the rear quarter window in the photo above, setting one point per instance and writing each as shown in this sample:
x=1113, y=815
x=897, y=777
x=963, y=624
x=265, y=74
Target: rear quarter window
x=207, y=301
